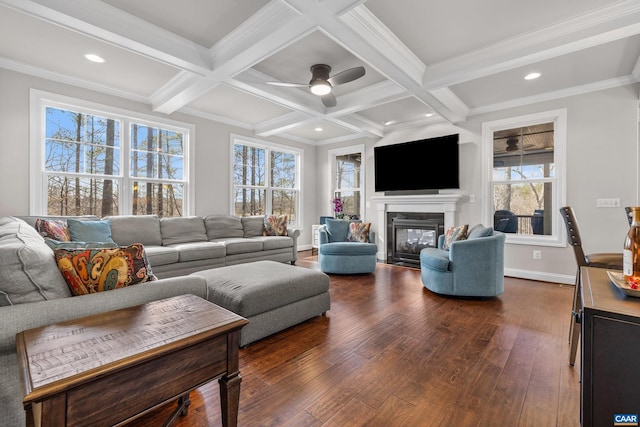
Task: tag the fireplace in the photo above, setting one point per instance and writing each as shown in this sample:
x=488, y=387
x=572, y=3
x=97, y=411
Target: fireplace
x=409, y=233
x=443, y=205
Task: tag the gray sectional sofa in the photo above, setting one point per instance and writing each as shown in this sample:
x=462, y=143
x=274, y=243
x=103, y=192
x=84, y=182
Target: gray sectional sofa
x=183, y=245
x=33, y=293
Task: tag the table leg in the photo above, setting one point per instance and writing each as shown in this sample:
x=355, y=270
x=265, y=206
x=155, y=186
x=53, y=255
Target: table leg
x=574, y=331
x=181, y=410
x=230, y=399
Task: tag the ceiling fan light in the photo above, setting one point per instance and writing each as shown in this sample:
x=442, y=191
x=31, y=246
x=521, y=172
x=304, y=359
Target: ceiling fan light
x=320, y=88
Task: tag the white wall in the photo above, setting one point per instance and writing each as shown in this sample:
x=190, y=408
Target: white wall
x=602, y=162
x=212, y=150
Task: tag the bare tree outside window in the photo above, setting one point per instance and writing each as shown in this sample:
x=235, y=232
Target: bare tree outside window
x=83, y=171
x=265, y=181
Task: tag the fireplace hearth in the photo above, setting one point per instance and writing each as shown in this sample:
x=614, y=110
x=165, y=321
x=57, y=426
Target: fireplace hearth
x=411, y=232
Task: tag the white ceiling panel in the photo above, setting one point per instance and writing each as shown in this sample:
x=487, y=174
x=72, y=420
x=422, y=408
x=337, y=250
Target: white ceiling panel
x=205, y=22
x=437, y=31
x=237, y=105
x=589, y=66
x=403, y=111
x=329, y=131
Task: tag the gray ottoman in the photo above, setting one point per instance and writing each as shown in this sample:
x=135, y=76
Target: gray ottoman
x=273, y=296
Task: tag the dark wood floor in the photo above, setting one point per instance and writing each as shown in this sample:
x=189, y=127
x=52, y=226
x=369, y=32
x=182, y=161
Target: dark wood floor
x=391, y=353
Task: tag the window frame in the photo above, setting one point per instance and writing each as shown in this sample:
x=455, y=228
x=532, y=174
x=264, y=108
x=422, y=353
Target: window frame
x=333, y=155
x=559, y=120
x=268, y=147
x=40, y=100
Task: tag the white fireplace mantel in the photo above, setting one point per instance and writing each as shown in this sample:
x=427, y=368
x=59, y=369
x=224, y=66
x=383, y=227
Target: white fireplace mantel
x=436, y=203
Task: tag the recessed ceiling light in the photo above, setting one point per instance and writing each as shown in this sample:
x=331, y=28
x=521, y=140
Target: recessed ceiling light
x=318, y=129
x=532, y=76
x=390, y=122
x=428, y=115
x=94, y=58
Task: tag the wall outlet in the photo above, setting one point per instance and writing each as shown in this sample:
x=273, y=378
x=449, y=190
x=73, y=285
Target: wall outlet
x=537, y=254
x=608, y=203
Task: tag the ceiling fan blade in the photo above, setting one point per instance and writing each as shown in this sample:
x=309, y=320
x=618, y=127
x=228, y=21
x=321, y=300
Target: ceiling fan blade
x=346, y=76
x=285, y=84
x=329, y=100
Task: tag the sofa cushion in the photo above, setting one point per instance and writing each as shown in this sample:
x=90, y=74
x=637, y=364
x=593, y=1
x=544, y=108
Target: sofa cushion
x=129, y=229
x=479, y=231
x=162, y=255
x=28, y=269
x=453, y=234
x=275, y=225
x=240, y=245
x=182, y=230
x=348, y=248
x=337, y=230
x=88, y=271
x=89, y=231
x=253, y=225
x=53, y=229
x=194, y=251
x=274, y=242
x=358, y=232
x=220, y=226
x=437, y=259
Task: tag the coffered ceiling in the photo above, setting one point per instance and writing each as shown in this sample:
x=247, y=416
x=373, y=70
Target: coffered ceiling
x=426, y=61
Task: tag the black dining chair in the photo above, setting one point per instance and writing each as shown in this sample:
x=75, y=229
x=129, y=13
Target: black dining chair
x=611, y=261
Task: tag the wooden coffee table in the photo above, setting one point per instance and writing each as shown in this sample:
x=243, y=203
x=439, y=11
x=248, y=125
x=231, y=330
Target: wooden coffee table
x=111, y=368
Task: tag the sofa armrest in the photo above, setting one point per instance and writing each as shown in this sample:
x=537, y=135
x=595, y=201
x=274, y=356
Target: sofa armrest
x=323, y=235
x=20, y=317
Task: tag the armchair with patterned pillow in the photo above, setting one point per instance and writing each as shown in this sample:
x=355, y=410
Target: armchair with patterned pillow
x=466, y=263
x=346, y=247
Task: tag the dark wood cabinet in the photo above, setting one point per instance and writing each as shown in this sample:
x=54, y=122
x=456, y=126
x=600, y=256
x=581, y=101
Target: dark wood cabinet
x=610, y=376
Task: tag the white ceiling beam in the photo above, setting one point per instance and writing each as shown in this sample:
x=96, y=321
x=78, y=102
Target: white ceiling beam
x=104, y=22
x=374, y=43
x=272, y=28
x=603, y=25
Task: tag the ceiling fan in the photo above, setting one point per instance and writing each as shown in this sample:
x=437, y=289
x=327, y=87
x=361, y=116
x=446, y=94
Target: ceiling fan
x=321, y=83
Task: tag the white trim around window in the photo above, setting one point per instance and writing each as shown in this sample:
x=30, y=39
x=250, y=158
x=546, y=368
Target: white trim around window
x=559, y=119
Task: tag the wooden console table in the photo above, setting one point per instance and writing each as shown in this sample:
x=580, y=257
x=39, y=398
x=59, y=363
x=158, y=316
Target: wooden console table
x=610, y=350
x=110, y=368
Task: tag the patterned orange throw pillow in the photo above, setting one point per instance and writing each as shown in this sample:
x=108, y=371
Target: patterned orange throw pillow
x=359, y=232
x=275, y=225
x=453, y=234
x=92, y=270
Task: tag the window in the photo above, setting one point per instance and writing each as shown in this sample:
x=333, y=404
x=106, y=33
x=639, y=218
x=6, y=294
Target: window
x=90, y=159
x=347, y=184
x=265, y=179
x=526, y=176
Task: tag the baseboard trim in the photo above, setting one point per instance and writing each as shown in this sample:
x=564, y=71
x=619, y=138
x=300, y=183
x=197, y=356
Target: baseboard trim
x=540, y=275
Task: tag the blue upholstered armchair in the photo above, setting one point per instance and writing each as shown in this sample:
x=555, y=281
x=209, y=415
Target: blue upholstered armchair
x=471, y=267
x=346, y=249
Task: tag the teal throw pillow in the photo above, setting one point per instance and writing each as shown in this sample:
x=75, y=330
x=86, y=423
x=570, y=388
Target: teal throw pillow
x=89, y=231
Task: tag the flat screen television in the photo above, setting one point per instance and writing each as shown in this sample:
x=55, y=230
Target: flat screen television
x=425, y=165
